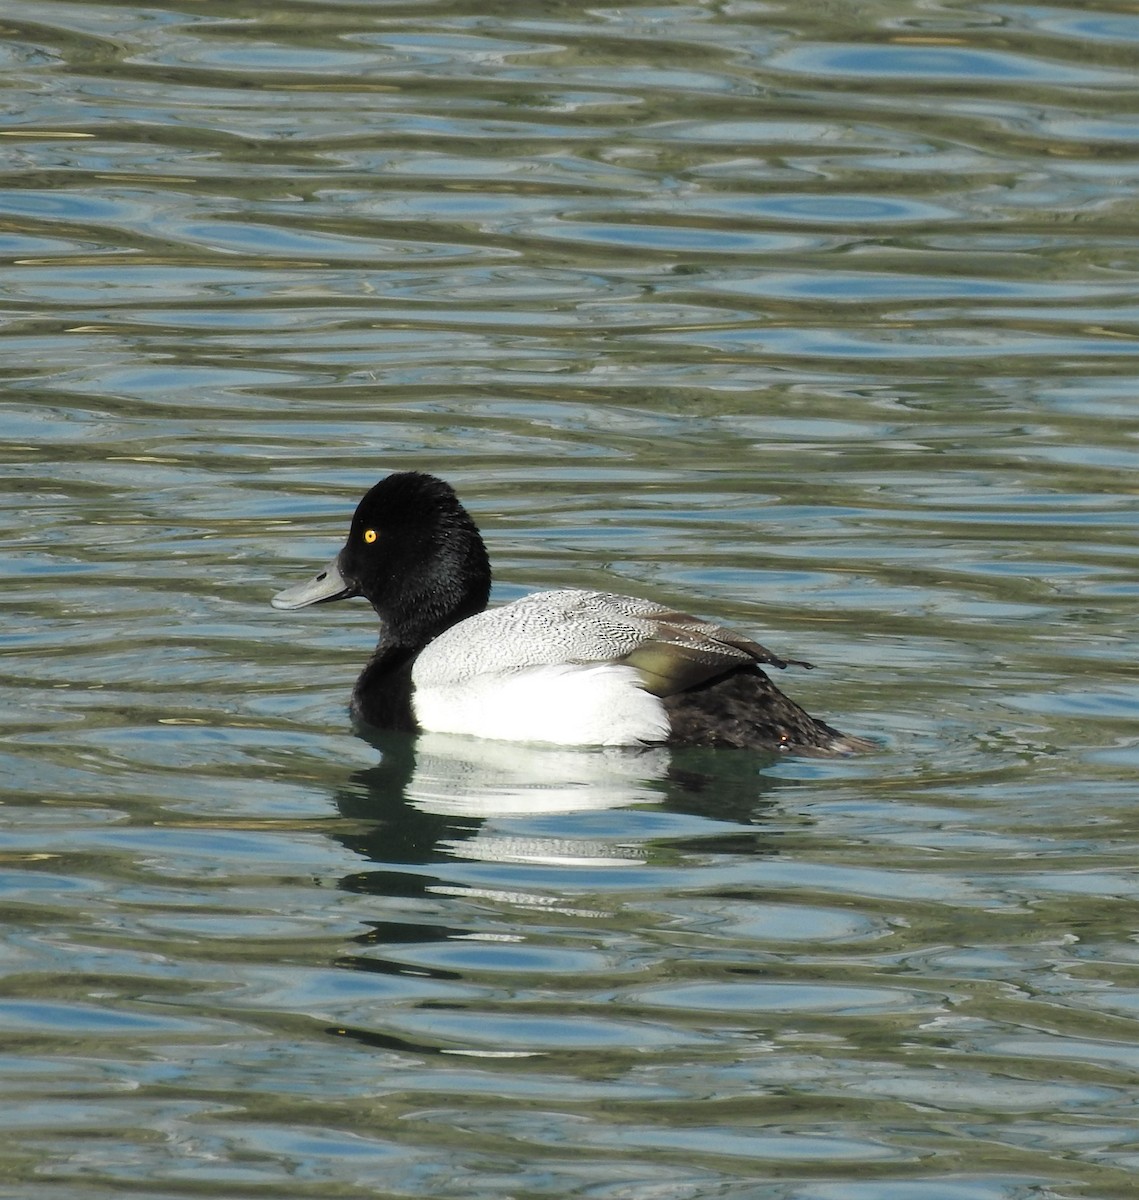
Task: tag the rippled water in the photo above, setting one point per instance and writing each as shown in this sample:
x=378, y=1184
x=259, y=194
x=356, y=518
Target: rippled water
x=816, y=319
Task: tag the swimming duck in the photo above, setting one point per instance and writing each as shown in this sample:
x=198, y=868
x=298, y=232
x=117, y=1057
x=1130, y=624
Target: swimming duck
x=570, y=667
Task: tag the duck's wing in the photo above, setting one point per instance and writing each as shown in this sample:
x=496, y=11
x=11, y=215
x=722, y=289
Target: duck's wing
x=669, y=650
x=682, y=651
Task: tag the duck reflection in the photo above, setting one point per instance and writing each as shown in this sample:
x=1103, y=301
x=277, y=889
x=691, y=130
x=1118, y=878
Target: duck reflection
x=493, y=844
x=441, y=797
x=431, y=792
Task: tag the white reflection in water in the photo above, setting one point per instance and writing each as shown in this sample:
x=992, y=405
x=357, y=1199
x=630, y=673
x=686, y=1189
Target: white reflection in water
x=459, y=776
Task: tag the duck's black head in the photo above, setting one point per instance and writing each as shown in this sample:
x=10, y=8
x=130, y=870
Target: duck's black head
x=414, y=553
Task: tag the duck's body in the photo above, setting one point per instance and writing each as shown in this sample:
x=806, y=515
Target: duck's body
x=567, y=667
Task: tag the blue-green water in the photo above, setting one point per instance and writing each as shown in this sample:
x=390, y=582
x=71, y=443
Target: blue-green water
x=821, y=323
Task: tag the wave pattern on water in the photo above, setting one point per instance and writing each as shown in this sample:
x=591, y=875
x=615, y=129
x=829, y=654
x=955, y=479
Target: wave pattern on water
x=818, y=321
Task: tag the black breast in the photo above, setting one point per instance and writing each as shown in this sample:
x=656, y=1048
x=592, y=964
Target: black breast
x=382, y=695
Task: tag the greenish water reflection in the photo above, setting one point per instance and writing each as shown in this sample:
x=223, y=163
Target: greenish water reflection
x=820, y=323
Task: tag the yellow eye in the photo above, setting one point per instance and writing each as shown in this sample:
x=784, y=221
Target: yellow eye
x=370, y=536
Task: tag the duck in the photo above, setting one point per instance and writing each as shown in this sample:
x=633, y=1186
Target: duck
x=570, y=667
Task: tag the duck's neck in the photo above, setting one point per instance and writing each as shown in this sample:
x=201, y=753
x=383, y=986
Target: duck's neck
x=382, y=695
x=423, y=619
x=453, y=584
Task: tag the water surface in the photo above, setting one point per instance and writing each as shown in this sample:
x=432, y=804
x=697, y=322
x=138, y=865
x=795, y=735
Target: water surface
x=818, y=322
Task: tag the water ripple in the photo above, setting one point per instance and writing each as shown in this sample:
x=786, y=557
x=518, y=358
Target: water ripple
x=817, y=321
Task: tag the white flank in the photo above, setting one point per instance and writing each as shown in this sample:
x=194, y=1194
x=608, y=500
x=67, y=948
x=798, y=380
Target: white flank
x=566, y=704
